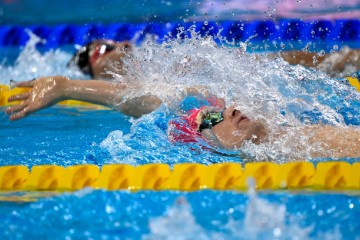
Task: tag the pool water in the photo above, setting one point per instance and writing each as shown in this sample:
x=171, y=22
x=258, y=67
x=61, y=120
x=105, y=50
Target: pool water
x=50, y=142
x=267, y=89
x=68, y=136
x=96, y=214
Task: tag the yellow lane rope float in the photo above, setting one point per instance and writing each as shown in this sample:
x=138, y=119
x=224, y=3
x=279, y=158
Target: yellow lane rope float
x=183, y=177
x=355, y=82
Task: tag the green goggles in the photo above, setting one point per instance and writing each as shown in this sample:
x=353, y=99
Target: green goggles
x=211, y=119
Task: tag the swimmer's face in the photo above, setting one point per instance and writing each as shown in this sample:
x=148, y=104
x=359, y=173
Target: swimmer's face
x=236, y=128
x=100, y=57
x=110, y=61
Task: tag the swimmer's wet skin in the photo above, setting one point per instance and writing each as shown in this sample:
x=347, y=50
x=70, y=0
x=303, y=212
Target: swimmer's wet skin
x=231, y=128
x=48, y=91
x=228, y=128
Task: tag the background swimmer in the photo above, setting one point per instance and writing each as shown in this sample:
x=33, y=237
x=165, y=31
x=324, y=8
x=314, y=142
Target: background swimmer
x=102, y=59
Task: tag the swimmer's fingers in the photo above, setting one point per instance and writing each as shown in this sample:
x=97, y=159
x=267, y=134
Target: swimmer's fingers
x=16, y=108
x=22, y=96
x=21, y=114
x=26, y=83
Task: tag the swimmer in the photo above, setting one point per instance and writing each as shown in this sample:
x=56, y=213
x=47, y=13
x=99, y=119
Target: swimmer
x=100, y=57
x=223, y=127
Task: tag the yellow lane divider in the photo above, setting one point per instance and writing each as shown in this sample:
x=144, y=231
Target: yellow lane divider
x=184, y=177
x=6, y=92
x=355, y=82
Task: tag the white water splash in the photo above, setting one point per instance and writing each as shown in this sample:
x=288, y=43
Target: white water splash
x=261, y=87
x=178, y=223
x=31, y=63
x=263, y=220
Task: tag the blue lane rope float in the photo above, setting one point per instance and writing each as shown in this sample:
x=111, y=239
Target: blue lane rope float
x=183, y=177
x=282, y=30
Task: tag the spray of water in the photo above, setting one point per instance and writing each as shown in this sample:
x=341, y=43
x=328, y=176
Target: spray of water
x=31, y=63
x=264, y=88
x=176, y=221
x=267, y=89
x=262, y=219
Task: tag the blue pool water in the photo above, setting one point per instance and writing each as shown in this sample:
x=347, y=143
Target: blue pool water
x=67, y=136
x=173, y=215
x=272, y=90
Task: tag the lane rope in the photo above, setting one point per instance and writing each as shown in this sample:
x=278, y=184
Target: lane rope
x=338, y=175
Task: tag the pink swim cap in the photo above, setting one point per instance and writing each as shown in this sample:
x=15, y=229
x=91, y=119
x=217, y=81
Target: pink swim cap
x=186, y=129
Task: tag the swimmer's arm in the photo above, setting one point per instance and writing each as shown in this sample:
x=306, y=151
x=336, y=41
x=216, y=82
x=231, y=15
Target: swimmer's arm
x=334, y=141
x=111, y=95
x=338, y=64
x=45, y=92
x=94, y=91
x=306, y=59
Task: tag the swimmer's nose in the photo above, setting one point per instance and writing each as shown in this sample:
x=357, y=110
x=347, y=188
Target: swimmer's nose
x=231, y=112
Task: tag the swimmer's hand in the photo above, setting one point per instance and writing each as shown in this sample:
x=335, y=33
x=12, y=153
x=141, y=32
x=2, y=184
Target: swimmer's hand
x=47, y=91
x=44, y=92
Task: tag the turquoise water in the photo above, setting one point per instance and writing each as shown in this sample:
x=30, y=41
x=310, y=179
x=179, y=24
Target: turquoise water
x=173, y=215
x=271, y=90
x=67, y=136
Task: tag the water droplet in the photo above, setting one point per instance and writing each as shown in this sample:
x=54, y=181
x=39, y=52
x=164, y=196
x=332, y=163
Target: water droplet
x=320, y=213
x=321, y=53
x=277, y=232
x=315, y=61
